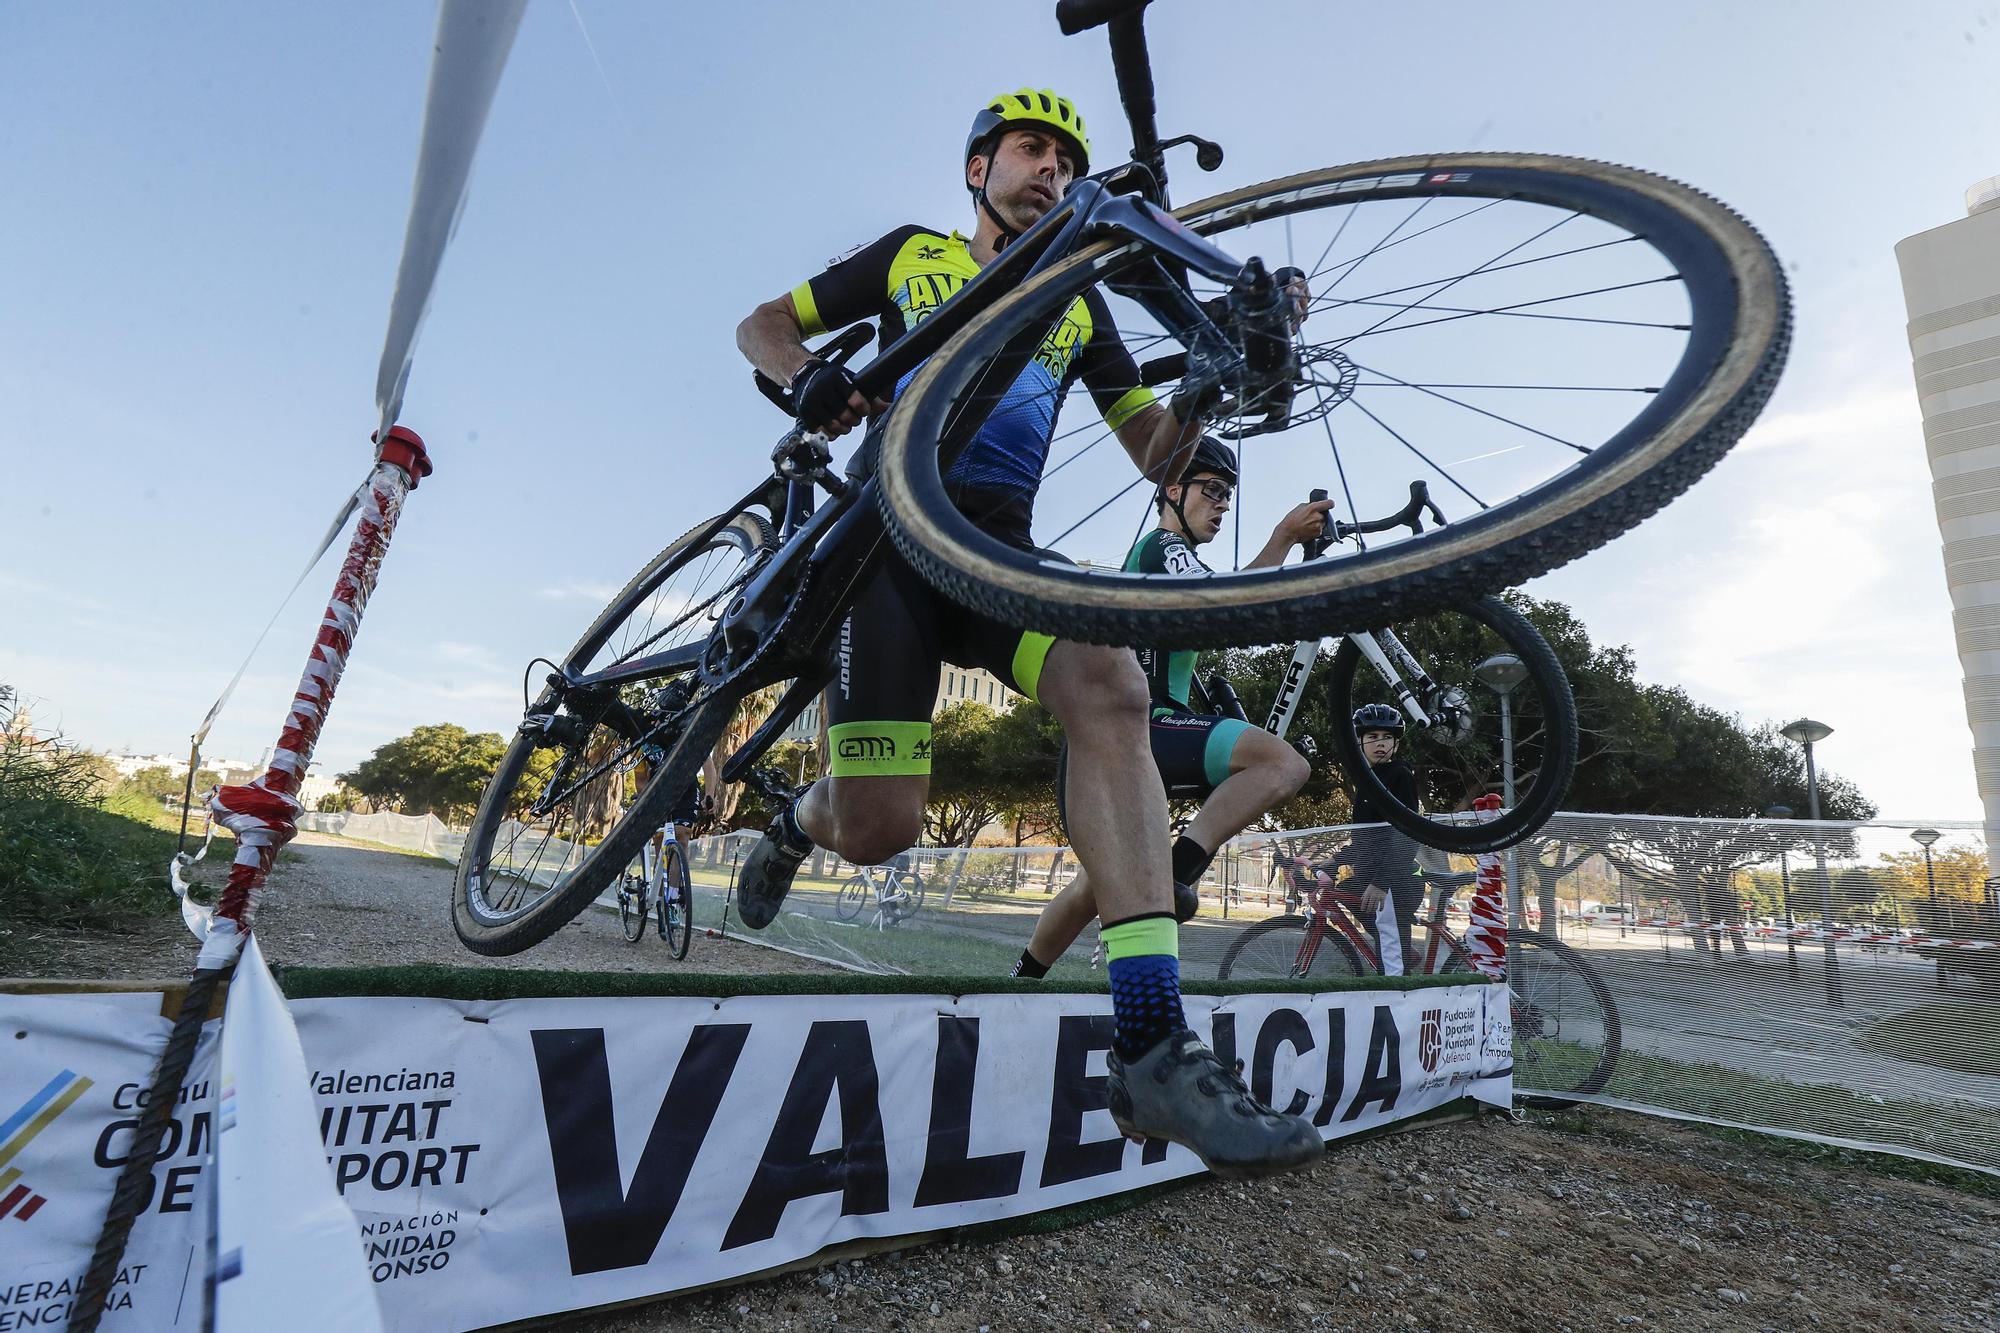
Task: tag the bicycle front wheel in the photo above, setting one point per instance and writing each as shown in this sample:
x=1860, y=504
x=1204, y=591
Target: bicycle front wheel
x=592, y=772
x=853, y=896
x=676, y=908
x=1567, y=1033
x=1284, y=947
x=1557, y=347
x=1477, y=740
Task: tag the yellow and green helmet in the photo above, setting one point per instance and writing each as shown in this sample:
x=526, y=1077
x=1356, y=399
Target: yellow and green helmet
x=1030, y=106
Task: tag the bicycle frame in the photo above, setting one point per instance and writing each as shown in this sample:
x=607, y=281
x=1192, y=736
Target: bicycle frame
x=1331, y=909
x=653, y=863
x=1384, y=651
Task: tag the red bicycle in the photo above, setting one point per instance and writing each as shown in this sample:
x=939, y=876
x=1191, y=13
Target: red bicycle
x=1567, y=1033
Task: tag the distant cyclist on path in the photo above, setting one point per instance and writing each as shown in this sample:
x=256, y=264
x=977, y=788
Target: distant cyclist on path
x=1023, y=151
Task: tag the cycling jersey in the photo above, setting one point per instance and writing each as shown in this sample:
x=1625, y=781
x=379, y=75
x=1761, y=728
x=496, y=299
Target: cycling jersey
x=1169, y=673
x=902, y=279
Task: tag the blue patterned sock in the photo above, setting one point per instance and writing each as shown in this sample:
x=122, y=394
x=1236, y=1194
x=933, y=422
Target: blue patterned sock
x=1145, y=968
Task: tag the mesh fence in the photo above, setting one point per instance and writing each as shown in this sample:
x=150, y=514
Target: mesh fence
x=1839, y=982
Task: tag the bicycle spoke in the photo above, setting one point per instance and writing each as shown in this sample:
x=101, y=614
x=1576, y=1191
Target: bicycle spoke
x=1449, y=284
x=1520, y=425
x=1428, y=462
x=1490, y=268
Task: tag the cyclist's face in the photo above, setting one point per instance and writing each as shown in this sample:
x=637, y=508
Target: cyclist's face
x=1027, y=174
x=1378, y=747
x=1204, y=499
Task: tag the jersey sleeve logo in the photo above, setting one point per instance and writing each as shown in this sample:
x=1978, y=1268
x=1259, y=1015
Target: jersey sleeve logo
x=846, y=255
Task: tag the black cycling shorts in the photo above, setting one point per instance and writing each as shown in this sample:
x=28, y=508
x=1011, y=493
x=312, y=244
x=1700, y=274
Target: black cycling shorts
x=897, y=636
x=1192, y=749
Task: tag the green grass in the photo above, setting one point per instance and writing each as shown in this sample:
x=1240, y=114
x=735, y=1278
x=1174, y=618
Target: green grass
x=1962, y=1035
x=65, y=863
x=1963, y=1132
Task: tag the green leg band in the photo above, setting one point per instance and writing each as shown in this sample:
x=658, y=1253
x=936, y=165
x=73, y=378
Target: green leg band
x=1030, y=655
x=1221, y=745
x=880, y=749
x=1145, y=936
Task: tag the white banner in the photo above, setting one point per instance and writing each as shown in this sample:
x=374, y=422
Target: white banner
x=285, y=1239
x=75, y=1071
x=508, y=1159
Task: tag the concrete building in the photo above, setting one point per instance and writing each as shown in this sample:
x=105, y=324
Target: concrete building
x=955, y=685
x=1951, y=289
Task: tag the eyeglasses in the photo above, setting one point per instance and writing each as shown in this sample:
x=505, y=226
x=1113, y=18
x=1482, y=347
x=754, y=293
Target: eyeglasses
x=1217, y=492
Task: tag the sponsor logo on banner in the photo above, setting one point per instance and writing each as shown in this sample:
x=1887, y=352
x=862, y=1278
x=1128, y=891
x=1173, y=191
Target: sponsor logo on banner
x=1428, y=1042
x=19, y=1200
x=390, y=1130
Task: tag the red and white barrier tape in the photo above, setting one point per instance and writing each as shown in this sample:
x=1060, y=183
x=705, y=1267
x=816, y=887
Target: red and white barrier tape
x=1486, y=933
x=1814, y=933
x=263, y=815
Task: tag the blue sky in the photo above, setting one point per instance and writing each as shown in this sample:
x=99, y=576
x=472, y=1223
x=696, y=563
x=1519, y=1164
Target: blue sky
x=203, y=208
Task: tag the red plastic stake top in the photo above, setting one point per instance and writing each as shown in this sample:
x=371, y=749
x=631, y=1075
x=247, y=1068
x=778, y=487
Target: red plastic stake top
x=405, y=449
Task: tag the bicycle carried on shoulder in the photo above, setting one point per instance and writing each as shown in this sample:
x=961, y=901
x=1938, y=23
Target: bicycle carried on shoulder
x=1565, y=344
x=1567, y=1032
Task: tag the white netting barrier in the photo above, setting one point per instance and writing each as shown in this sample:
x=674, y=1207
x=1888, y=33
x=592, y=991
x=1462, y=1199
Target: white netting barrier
x=1835, y=981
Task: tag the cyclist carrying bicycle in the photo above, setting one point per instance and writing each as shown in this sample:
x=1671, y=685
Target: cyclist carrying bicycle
x=1242, y=771
x=1023, y=151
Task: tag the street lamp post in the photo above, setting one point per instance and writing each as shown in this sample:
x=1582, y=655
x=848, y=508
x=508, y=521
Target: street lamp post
x=1500, y=673
x=1924, y=837
x=1785, y=878
x=1807, y=733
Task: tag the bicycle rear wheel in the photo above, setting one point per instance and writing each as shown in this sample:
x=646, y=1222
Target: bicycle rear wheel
x=592, y=772
x=1558, y=347
x=676, y=907
x=1276, y=949
x=1567, y=1032
x=1462, y=753
x=632, y=901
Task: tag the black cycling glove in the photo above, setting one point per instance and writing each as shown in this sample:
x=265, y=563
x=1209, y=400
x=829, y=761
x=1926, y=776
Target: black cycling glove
x=820, y=393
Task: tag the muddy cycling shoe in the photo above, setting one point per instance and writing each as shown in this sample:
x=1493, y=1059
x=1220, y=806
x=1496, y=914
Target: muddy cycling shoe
x=767, y=875
x=1182, y=1092
x=1187, y=901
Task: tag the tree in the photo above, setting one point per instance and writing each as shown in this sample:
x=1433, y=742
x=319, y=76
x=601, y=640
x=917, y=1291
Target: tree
x=440, y=769
x=964, y=796
x=160, y=783
x=339, y=801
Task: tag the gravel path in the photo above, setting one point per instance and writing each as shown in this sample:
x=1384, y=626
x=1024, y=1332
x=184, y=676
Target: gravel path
x=336, y=903
x=1585, y=1221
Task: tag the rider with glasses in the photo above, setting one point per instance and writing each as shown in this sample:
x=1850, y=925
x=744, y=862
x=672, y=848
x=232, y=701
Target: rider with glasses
x=1024, y=149
x=1241, y=770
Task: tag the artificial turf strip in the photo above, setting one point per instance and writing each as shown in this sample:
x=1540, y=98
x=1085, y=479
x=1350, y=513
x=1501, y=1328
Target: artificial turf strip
x=480, y=983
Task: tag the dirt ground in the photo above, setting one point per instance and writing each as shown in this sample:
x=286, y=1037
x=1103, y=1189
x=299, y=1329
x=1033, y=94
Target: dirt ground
x=1583, y=1220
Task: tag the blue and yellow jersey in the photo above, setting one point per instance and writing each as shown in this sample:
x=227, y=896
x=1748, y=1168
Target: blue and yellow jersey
x=903, y=278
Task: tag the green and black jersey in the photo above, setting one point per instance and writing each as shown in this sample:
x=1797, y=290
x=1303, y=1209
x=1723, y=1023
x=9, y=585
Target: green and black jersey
x=903, y=278
x=1169, y=673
